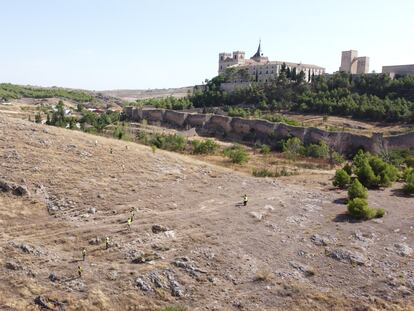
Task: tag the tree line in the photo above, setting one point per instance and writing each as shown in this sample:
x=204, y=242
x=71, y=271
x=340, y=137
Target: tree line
x=372, y=97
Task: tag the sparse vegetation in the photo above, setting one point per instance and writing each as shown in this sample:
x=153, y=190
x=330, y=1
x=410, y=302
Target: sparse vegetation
x=207, y=146
x=263, y=275
x=237, y=154
x=121, y=131
x=38, y=118
x=165, y=102
x=11, y=91
x=171, y=142
x=264, y=172
x=265, y=149
x=293, y=148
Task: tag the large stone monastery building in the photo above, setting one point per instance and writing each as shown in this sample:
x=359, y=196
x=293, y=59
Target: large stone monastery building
x=259, y=68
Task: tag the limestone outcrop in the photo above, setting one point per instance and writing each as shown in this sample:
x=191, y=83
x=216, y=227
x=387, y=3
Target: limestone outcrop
x=263, y=131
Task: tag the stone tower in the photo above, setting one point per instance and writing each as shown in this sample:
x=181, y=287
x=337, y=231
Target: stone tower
x=351, y=63
x=229, y=59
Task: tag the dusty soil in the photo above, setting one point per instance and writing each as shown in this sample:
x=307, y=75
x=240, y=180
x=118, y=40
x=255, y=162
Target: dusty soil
x=291, y=248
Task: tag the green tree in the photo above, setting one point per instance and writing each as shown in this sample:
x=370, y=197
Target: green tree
x=359, y=209
x=293, y=147
x=357, y=190
x=341, y=179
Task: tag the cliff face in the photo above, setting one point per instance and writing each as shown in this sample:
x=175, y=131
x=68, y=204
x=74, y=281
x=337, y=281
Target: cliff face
x=256, y=130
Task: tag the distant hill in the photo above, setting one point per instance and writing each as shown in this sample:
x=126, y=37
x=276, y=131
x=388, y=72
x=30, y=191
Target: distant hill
x=148, y=93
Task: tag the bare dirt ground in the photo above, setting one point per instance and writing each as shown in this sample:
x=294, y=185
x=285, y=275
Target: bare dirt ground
x=291, y=248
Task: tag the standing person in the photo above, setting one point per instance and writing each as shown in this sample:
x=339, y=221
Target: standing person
x=245, y=200
x=129, y=222
x=83, y=254
x=80, y=271
x=107, y=242
x=132, y=215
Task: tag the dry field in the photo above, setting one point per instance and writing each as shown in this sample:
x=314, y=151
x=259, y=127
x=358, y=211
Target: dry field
x=191, y=244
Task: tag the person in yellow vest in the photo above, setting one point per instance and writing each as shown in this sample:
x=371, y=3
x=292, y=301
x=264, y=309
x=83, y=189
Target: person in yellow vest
x=83, y=254
x=245, y=200
x=107, y=242
x=129, y=222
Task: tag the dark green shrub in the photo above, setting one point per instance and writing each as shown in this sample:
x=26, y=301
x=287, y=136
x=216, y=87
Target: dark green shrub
x=317, y=151
x=264, y=172
x=387, y=173
x=359, y=209
x=360, y=158
x=265, y=149
x=367, y=176
x=409, y=184
x=406, y=173
x=409, y=161
x=380, y=213
x=171, y=142
x=237, y=154
x=341, y=179
x=293, y=148
x=348, y=169
x=357, y=190
x=207, y=146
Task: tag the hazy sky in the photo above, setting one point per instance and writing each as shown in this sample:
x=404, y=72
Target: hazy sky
x=103, y=44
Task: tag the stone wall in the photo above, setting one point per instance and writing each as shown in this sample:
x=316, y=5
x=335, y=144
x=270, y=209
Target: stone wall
x=262, y=131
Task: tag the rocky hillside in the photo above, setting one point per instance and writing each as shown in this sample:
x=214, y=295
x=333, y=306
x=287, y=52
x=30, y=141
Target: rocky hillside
x=192, y=243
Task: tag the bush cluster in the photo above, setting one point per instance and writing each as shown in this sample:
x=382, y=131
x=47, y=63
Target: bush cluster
x=207, y=146
x=373, y=172
x=358, y=204
x=171, y=142
x=169, y=102
x=237, y=154
x=294, y=148
x=264, y=172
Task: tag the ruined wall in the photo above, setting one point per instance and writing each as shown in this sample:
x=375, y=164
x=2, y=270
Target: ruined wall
x=255, y=130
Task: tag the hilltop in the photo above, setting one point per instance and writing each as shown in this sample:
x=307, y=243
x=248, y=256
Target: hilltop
x=191, y=243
